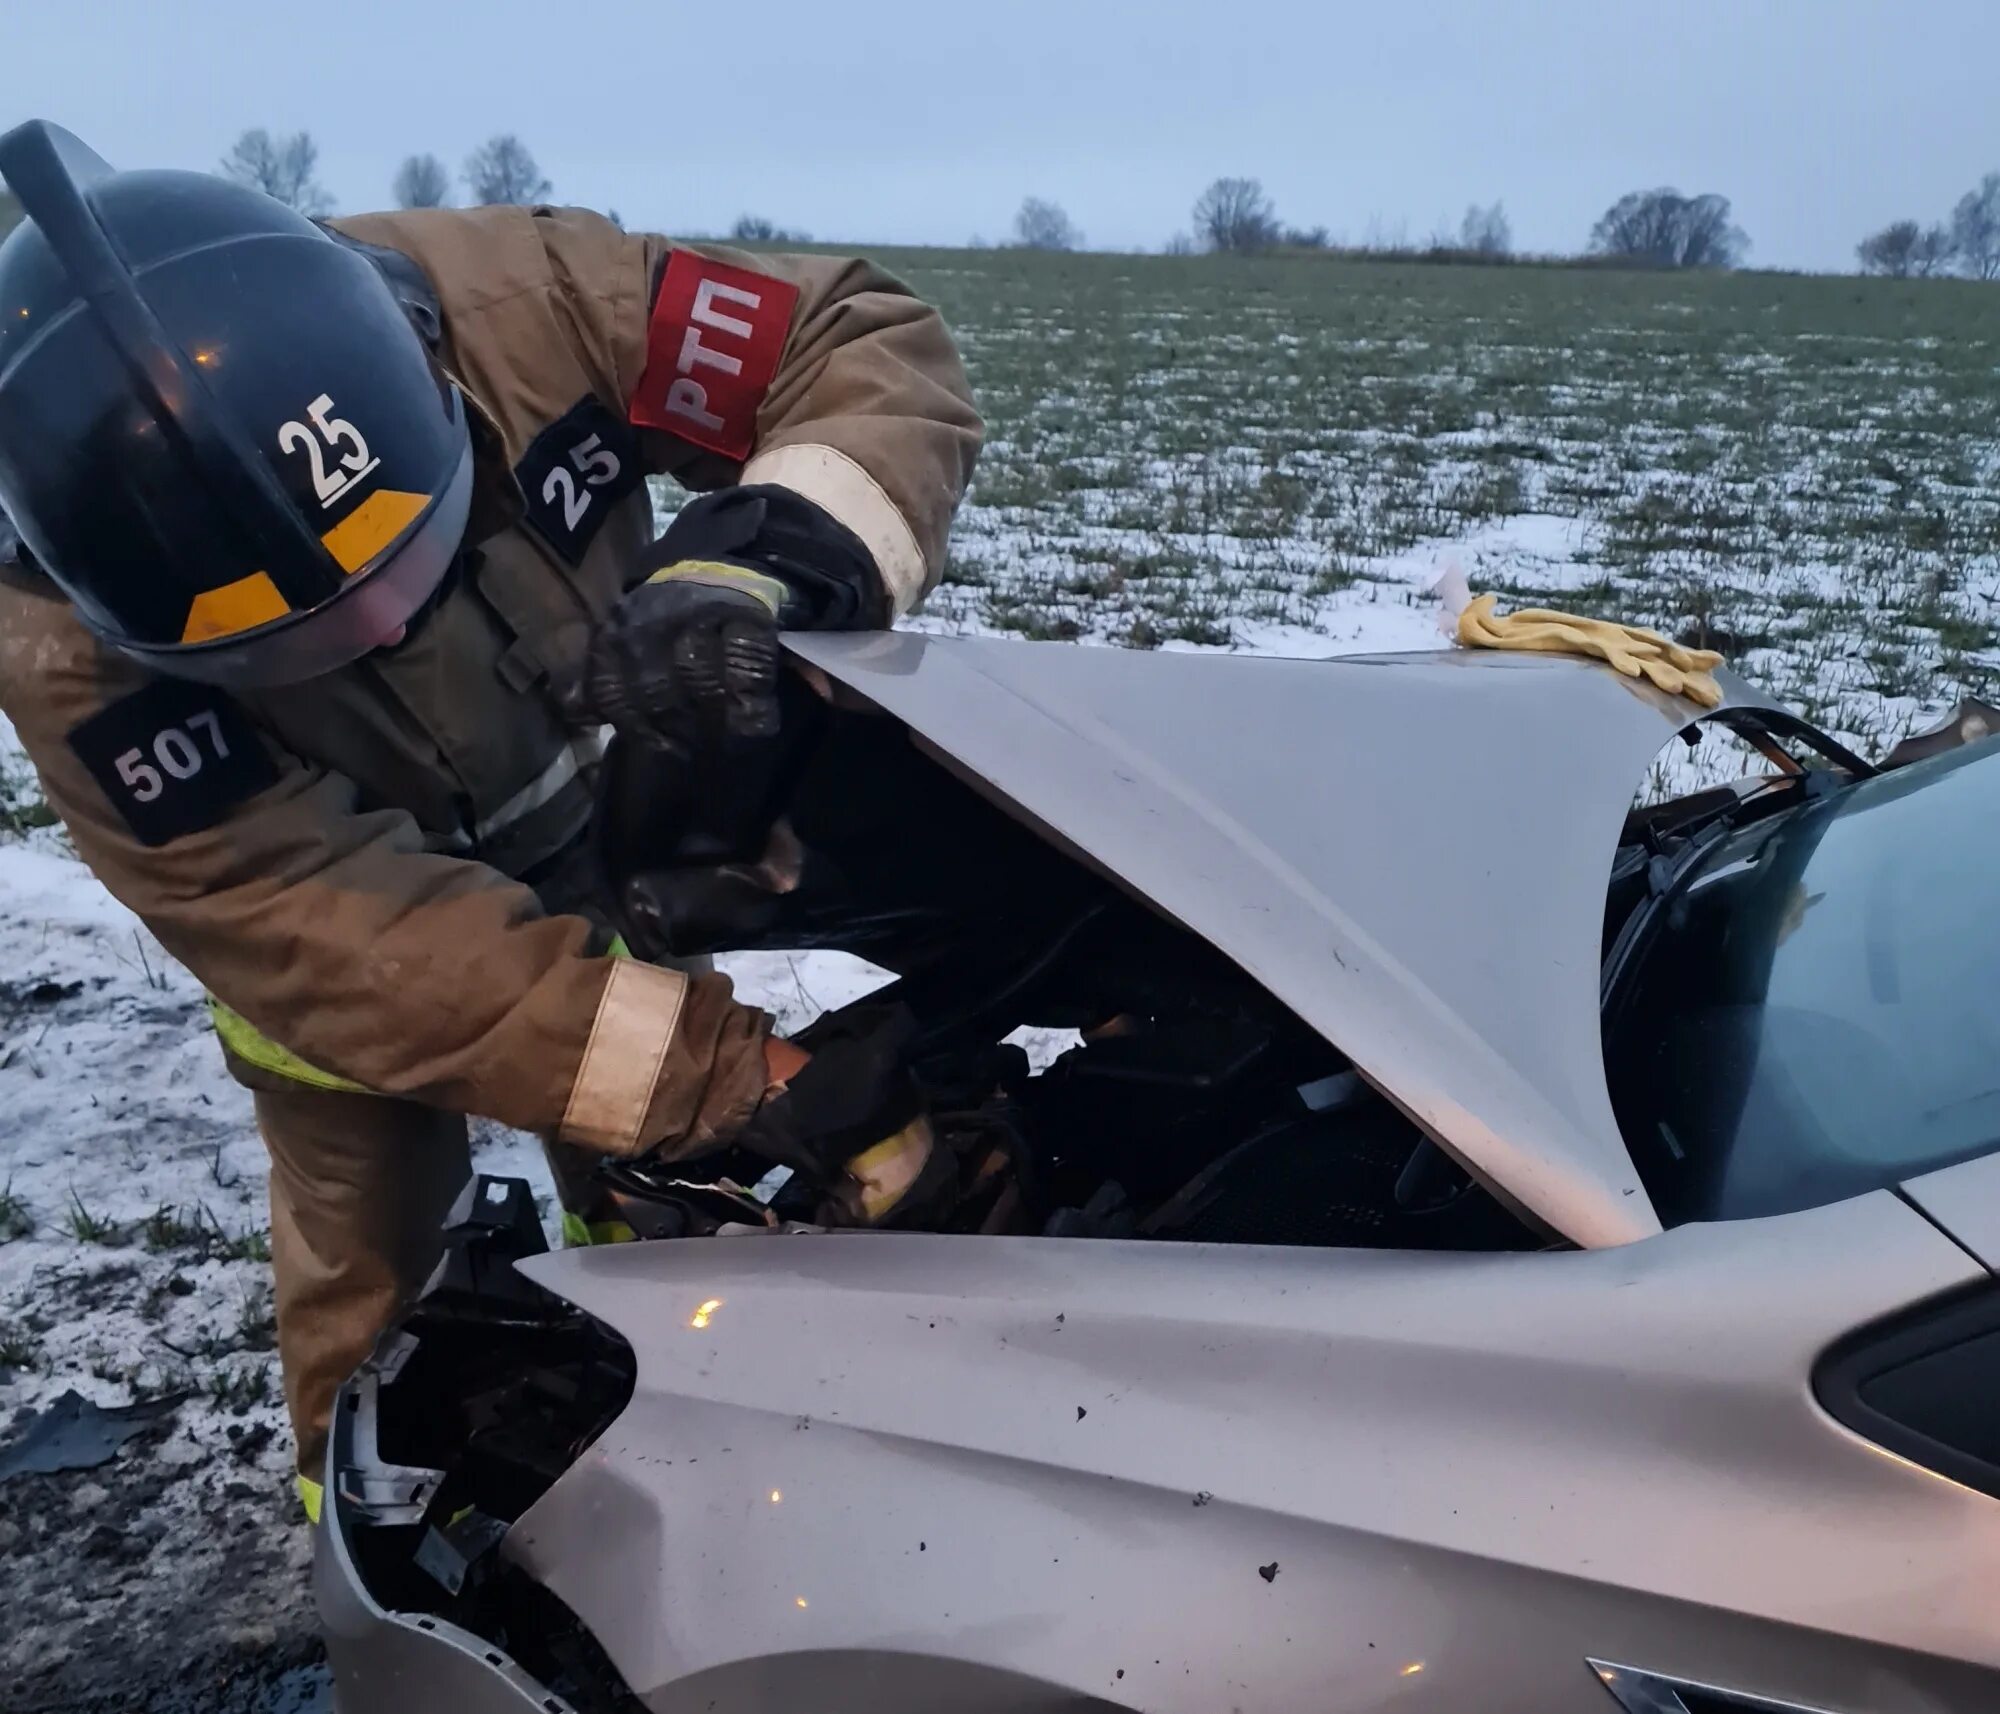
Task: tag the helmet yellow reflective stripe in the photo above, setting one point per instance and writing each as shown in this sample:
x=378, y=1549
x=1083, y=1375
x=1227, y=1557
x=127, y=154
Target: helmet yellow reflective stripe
x=235, y=607
x=372, y=526
x=254, y=600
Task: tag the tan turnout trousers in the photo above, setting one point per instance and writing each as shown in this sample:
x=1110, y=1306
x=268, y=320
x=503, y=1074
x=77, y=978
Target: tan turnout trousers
x=360, y=1186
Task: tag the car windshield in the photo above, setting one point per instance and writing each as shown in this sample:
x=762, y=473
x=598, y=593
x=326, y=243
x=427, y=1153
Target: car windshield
x=1817, y=1012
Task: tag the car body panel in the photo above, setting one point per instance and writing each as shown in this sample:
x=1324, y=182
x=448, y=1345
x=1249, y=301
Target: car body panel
x=384, y=1662
x=1179, y=1477
x=1410, y=851
x=1965, y=1201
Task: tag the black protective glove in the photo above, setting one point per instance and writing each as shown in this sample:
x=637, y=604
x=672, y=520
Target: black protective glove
x=689, y=657
x=855, y=1091
x=853, y=1121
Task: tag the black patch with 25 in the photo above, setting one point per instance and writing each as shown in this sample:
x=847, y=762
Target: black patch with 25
x=575, y=472
x=173, y=758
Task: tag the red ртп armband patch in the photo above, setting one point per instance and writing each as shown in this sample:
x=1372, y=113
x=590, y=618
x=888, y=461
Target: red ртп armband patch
x=712, y=352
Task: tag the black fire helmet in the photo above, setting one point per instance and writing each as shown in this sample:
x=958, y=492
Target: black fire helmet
x=221, y=433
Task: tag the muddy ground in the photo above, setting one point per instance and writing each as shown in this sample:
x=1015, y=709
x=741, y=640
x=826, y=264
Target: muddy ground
x=159, y=1583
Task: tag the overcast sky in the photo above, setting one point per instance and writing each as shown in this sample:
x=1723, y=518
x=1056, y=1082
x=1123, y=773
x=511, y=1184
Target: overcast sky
x=889, y=120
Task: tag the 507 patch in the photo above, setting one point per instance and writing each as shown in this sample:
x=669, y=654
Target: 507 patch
x=578, y=469
x=173, y=758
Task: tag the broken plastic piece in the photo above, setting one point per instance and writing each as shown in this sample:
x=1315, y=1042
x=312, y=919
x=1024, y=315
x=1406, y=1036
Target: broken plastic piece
x=448, y=1554
x=74, y=1434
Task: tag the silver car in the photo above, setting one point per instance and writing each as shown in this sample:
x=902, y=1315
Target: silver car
x=1490, y=1249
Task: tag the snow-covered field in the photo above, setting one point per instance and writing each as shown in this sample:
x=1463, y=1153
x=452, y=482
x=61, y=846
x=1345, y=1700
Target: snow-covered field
x=1802, y=472
x=1177, y=463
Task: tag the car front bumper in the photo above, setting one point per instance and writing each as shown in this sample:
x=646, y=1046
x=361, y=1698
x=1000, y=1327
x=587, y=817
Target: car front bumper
x=386, y=1662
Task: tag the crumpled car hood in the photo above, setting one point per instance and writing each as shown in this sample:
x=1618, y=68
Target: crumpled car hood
x=1410, y=851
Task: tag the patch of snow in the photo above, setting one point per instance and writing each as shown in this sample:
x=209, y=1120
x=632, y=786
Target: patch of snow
x=1360, y=626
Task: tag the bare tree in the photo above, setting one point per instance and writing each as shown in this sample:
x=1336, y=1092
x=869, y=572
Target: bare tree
x=1043, y=225
x=1181, y=244
x=1907, y=250
x=1235, y=215
x=422, y=182
x=280, y=167
x=1975, y=229
x=1892, y=252
x=1663, y=229
x=755, y=229
x=1306, y=238
x=1640, y=227
x=501, y=170
x=1486, y=231
x=1936, y=251
x=1382, y=234
x=1709, y=237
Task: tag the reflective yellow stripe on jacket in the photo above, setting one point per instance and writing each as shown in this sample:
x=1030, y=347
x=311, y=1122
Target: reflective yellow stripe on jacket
x=253, y=1047
x=580, y=1234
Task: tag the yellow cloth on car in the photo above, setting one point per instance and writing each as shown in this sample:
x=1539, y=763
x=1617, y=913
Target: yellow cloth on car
x=1633, y=650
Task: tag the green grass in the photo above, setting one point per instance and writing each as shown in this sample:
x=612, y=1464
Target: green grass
x=238, y=1388
x=257, y=1321
x=17, y=1219
x=253, y=1244
x=170, y=1228
x=88, y=1227
x=196, y=1230
x=1184, y=447
x=22, y=807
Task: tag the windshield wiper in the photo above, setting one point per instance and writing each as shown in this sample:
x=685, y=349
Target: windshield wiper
x=1677, y=855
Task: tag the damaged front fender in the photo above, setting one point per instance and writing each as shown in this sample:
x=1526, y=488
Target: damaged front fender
x=384, y=1662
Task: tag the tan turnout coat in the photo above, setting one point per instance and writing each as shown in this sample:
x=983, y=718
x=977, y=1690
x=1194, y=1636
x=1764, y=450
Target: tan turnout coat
x=368, y=912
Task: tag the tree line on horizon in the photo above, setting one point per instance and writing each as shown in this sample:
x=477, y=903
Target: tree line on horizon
x=1235, y=216
x=1644, y=228
x=1657, y=228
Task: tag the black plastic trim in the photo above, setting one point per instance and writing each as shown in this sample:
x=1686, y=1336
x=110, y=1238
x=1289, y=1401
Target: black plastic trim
x=1780, y=723
x=1885, y=1383
x=1640, y=1692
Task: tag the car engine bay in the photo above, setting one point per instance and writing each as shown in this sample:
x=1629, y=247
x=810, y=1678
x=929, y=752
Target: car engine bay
x=1192, y=1107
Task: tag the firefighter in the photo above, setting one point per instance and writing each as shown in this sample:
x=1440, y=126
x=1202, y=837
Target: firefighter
x=337, y=556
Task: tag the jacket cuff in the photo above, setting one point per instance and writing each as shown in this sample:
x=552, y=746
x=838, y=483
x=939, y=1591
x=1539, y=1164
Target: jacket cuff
x=842, y=488
x=637, y=1019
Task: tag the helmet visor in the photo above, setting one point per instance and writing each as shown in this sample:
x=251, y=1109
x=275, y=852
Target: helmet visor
x=378, y=601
